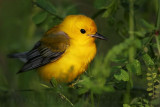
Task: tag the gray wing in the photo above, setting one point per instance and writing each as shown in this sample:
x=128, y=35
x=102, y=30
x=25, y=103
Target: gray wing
x=48, y=49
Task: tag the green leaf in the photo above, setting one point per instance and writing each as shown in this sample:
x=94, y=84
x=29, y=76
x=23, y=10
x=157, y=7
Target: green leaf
x=157, y=86
x=154, y=75
x=141, y=105
x=147, y=25
x=99, y=3
x=83, y=90
x=145, y=101
x=123, y=76
x=148, y=60
x=43, y=85
x=137, y=43
x=146, y=105
x=149, y=74
x=107, y=13
x=115, y=68
x=140, y=33
x=156, y=80
x=126, y=105
x=44, y=4
x=157, y=91
x=47, y=6
x=135, y=66
x=155, y=101
x=109, y=89
x=119, y=60
x=149, y=78
x=71, y=10
x=150, y=84
x=39, y=18
x=149, y=89
x=135, y=100
x=116, y=50
x=150, y=94
x=111, y=8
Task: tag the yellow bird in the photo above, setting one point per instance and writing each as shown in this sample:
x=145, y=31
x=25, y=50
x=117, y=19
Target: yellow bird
x=64, y=51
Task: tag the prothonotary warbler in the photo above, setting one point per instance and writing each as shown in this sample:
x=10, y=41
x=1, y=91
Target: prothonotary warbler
x=64, y=51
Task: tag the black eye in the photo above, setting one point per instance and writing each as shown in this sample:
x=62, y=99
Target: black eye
x=83, y=31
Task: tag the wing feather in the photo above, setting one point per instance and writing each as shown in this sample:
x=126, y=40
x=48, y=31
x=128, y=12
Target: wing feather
x=48, y=49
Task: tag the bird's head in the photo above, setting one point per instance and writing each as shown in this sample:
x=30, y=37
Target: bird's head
x=80, y=27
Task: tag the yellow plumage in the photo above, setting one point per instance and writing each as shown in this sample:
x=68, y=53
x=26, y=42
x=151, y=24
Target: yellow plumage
x=77, y=56
x=65, y=51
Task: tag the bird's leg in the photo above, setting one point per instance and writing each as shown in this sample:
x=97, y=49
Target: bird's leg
x=51, y=83
x=72, y=84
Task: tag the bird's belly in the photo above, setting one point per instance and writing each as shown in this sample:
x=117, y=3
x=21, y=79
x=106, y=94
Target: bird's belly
x=70, y=65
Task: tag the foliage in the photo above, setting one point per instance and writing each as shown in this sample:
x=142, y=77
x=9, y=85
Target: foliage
x=127, y=75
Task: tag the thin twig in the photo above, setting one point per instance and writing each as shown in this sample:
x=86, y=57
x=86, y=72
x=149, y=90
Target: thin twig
x=64, y=97
x=34, y=3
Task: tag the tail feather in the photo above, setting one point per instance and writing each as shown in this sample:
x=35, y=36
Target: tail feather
x=21, y=56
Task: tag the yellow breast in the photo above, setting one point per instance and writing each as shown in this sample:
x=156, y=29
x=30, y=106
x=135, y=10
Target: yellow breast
x=71, y=64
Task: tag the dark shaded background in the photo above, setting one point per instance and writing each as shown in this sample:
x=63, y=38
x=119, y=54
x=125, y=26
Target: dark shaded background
x=18, y=33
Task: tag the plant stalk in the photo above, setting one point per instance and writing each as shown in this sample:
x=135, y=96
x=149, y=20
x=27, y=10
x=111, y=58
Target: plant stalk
x=92, y=99
x=158, y=29
x=131, y=51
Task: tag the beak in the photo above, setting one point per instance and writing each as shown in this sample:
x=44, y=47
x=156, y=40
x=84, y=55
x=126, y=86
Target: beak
x=99, y=36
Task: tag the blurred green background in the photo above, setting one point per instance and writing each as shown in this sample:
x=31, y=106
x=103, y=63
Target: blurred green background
x=23, y=23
